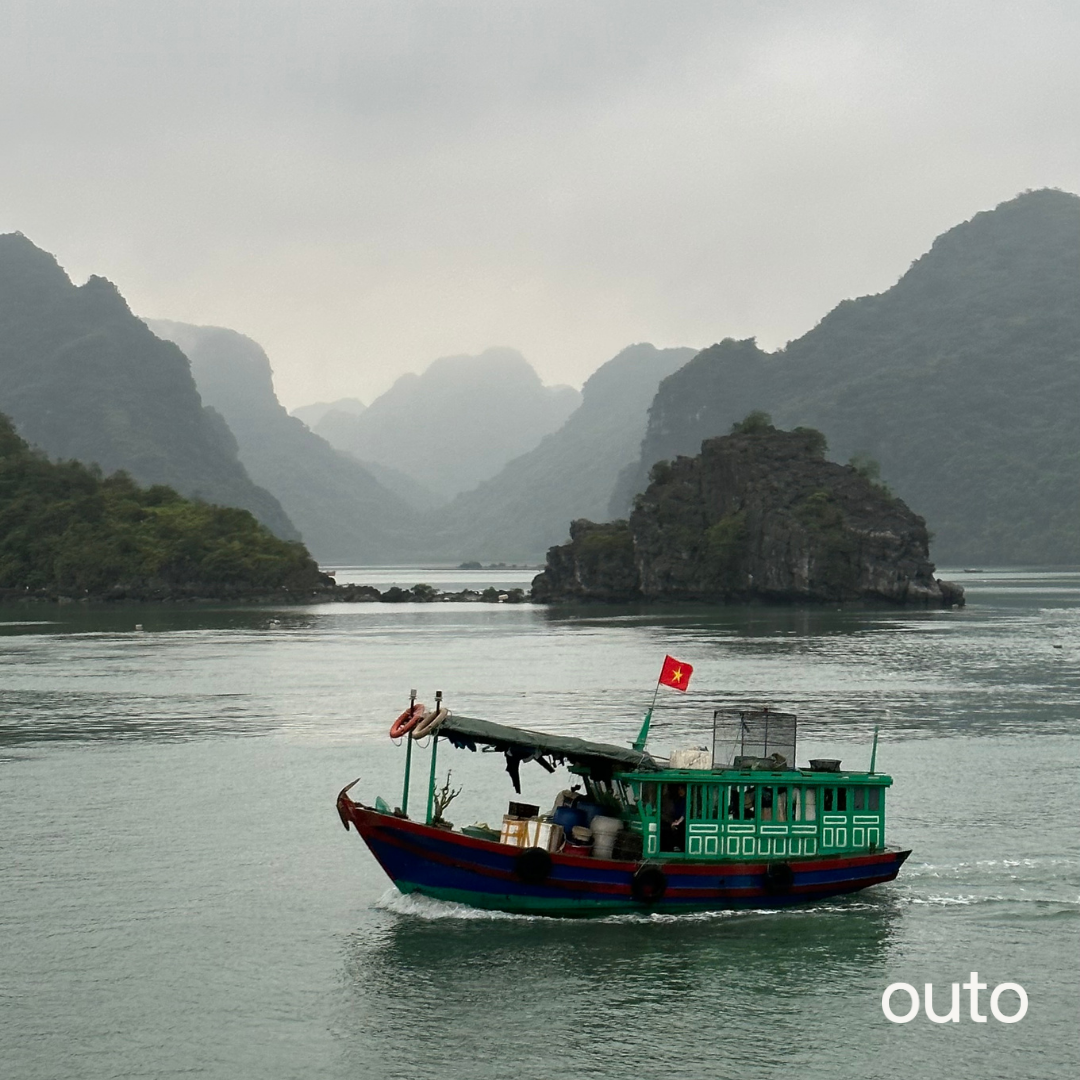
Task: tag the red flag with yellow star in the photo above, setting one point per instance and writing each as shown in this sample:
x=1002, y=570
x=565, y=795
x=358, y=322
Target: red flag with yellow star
x=675, y=674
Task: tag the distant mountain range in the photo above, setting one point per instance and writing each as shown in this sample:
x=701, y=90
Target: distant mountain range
x=962, y=381
x=82, y=378
x=313, y=414
x=456, y=424
x=343, y=512
x=528, y=506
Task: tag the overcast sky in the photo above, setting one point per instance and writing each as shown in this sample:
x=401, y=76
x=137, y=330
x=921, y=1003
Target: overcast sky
x=365, y=186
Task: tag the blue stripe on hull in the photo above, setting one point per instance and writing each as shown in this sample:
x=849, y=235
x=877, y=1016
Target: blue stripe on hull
x=448, y=866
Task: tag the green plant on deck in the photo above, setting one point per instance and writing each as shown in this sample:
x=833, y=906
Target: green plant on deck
x=444, y=797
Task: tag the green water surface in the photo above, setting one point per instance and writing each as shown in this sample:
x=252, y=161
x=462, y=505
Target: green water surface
x=178, y=898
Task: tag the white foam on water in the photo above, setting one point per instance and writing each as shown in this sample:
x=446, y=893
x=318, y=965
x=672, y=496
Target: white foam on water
x=419, y=906
x=416, y=905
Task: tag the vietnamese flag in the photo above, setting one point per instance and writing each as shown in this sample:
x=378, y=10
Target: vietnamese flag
x=675, y=674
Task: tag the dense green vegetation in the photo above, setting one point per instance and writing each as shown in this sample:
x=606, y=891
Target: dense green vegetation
x=962, y=381
x=65, y=529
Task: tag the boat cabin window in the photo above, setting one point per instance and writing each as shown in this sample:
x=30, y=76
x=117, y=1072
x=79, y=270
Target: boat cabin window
x=873, y=798
x=858, y=798
x=809, y=804
x=775, y=803
x=673, y=808
x=835, y=799
x=705, y=802
x=742, y=802
x=648, y=797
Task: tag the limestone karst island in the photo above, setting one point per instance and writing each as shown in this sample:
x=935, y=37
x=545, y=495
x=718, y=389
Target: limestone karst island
x=758, y=515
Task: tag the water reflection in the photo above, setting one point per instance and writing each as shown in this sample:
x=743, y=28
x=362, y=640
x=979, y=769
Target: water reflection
x=79, y=671
x=612, y=996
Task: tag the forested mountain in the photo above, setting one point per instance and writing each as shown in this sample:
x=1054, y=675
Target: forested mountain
x=962, y=380
x=344, y=514
x=65, y=530
x=83, y=378
x=528, y=506
x=456, y=424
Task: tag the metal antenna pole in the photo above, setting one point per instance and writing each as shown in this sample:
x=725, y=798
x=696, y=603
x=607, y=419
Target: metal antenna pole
x=408, y=760
x=431, y=778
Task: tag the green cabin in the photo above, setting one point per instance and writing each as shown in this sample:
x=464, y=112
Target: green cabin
x=745, y=799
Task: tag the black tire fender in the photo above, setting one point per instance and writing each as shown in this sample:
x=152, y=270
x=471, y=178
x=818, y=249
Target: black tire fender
x=648, y=884
x=779, y=878
x=532, y=866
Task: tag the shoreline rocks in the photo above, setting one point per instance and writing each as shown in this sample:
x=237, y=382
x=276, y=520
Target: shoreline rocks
x=327, y=594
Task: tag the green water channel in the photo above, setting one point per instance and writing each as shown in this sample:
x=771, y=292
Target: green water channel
x=178, y=898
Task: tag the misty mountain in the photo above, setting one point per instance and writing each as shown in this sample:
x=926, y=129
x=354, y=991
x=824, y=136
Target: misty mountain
x=343, y=512
x=962, y=380
x=458, y=423
x=528, y=506
x=82, y=378
x=313, y=414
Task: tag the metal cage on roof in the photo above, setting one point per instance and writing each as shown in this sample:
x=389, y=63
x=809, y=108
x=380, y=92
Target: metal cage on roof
x=754, y=737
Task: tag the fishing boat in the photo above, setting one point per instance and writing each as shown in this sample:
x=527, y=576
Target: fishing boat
x=736, y=824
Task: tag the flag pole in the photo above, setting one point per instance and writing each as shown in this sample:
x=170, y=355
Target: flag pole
x=643, y=734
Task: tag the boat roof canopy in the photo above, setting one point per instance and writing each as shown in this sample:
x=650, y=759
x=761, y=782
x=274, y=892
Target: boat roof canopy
x=467, y=731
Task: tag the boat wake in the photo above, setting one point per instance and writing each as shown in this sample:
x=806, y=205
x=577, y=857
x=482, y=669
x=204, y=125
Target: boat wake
x=418, y=906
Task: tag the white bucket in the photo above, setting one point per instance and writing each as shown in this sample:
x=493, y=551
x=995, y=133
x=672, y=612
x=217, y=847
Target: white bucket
x=604, y=830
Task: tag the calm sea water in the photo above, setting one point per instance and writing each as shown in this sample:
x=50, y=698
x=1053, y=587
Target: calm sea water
x=178, y=898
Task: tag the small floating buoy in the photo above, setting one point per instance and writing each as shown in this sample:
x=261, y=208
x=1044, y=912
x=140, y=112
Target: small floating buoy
x=138, y=626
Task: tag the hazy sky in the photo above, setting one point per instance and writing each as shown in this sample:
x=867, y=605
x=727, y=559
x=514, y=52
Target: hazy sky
x=364, y=186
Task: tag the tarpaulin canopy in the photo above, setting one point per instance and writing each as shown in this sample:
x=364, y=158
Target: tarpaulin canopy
x=467, y=731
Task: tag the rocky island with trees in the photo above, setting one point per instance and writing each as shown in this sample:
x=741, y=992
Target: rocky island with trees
x=758, y=515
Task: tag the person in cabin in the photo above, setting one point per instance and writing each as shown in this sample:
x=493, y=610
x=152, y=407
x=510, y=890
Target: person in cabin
x=673, y=818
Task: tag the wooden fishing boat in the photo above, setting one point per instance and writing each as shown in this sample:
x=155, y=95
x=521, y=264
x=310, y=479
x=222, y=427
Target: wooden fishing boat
x=737, y=826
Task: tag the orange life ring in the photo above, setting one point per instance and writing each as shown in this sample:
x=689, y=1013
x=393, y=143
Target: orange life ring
x=407, y=721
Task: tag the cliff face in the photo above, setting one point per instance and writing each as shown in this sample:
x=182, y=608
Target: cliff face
x=756, y=516
x=83, y=378
x=343, y=512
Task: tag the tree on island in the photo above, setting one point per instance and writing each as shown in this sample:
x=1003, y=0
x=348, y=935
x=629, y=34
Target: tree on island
x=65, y=529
